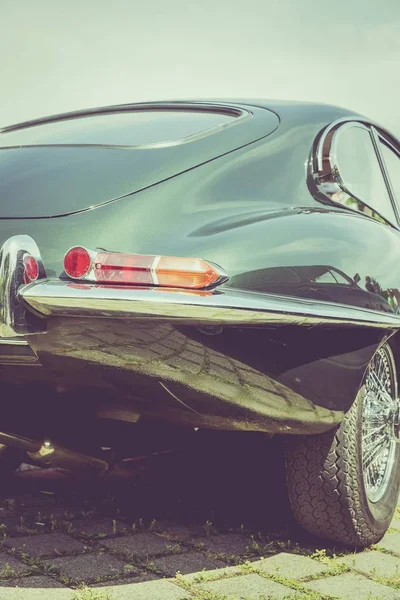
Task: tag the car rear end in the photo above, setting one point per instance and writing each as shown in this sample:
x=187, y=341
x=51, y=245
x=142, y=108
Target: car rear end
x=92, y=179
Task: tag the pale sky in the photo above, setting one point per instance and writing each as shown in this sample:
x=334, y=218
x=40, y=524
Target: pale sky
x=58, y=56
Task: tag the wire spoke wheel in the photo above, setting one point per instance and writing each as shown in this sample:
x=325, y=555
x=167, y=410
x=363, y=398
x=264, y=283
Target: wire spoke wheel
x=344, y=483
x=380, y=423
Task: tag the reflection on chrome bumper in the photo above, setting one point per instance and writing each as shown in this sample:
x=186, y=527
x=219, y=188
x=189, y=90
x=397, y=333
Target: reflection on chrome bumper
x=222, y=307
x=13, y=342
x=14, y=319
x=16, y=351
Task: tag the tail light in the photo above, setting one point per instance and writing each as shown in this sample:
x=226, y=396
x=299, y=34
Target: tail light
x=77, y=262
x=141, y=269
x=31, y=268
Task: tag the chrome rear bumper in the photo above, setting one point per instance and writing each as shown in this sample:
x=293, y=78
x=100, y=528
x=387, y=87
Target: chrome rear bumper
x=227, y=306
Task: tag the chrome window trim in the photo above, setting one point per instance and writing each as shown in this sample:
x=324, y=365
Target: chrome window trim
x=385, y=172
x=324, y=175
x=238, y=116
x=385, y=140
x=382, y=139
x=185, y=106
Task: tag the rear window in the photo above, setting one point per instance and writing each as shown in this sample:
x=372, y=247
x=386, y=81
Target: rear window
x=128, y=128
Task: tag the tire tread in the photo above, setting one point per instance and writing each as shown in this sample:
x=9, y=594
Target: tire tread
x=324, y=485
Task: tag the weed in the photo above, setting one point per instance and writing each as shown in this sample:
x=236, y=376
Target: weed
x=173, y=548
x=3, y=531
x=86, y=593
x=129, y=569
x=297, y=586
x=393, y=581
x=8, y=572
x=152, y=524
x=208, y=528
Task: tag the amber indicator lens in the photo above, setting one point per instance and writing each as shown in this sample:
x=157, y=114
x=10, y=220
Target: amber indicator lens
x=190, y=273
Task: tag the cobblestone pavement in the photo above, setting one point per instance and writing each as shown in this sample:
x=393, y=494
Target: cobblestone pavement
x=218, y=530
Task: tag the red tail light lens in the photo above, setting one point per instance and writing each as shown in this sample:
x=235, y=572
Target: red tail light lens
x=77, y=262
x=113, y=267
x=141, y=269
x=31, y=268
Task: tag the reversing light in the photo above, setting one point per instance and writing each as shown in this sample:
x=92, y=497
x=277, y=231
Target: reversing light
x=31, y=268
x=141, y=269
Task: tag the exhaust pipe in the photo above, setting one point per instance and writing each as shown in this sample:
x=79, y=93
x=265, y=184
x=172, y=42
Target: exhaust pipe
x=49, y=454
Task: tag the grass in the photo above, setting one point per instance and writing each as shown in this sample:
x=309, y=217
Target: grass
x=299, y=589
x=393, y=582
x=86, y=593
x=8, y=572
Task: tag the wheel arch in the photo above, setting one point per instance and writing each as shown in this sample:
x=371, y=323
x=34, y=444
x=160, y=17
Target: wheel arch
x=394, y=343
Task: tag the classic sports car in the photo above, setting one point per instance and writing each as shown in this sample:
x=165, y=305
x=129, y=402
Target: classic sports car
x=214, y=265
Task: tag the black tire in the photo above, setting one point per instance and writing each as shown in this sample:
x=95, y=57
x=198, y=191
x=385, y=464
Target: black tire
x=326, y=481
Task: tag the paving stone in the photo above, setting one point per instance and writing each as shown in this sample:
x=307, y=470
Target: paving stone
x=141, y=545
x=226, y=543
x=46, y=544
x=353, y=587
x=373, y=562
x=179, y=531
x=20, y=525
x=54, y=512
x=148, y=590
x=223, y=373
x=28, y=590
x=34, y=582
x=87, y=567
x=214, y=574
x=391, y=542
x=249, y=586
x=395, y=524
x=127, y=580
x=9, y=565
x=98, y=528
x=223, y=362
x=185, y=563
x=291, y=566
x=184, y=365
